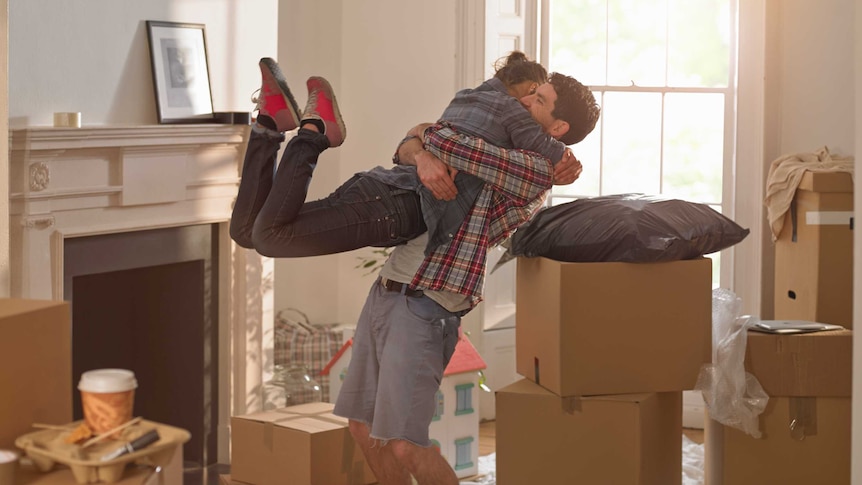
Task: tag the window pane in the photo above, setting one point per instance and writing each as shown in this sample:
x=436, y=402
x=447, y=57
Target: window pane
x=577, y=39
x=631, y=143
x=694, y=146
x=637, y=36
x=698, y=43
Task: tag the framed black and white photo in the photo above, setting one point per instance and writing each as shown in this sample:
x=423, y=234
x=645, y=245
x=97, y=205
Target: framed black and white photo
x=180, y=72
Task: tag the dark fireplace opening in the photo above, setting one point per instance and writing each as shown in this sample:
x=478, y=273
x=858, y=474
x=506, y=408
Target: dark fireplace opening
x=147, y=301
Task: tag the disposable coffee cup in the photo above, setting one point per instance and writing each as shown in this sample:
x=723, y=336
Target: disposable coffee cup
x=8, y=467
x=107, y=397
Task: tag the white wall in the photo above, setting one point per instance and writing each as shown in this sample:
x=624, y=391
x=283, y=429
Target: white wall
x=392, y=66
x=92, y=56
x=811, y=102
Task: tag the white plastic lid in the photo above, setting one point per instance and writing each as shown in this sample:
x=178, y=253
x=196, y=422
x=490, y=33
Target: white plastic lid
x=8, y=456
x=107, y=380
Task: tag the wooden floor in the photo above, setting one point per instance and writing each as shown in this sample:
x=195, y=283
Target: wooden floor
x=488, y=437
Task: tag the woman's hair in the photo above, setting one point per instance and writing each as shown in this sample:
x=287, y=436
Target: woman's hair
x=516, y=68
x=575, y=105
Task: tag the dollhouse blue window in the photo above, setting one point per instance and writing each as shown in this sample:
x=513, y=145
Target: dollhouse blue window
x=464, y=393
x=463, y=453
x=438, y=412
x=436, y=445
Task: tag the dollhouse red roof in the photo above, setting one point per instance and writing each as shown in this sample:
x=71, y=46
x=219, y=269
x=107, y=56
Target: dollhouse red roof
x=465, y=358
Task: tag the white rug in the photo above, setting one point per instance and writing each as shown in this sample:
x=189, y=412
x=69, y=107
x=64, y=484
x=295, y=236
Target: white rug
x=692, y=466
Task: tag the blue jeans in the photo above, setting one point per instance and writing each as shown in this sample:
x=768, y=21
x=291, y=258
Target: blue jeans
x=271, y=215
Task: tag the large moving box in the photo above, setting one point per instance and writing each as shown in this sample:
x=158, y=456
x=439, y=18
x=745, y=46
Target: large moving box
x=35, y=366
x=613, y=328
x=632, y=439
x=806, y=424
x=297, y=445
x=814, y=252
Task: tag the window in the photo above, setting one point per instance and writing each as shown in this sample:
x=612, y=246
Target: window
x=436, y=445
x=438, y=412
x=463, y=453
x=663, y=72
x=464, y=403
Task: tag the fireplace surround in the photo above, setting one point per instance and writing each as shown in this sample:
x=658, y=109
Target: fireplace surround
x=76, y=183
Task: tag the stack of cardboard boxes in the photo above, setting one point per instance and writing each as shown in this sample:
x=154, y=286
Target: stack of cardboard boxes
x=606, y=350
x=806, y=424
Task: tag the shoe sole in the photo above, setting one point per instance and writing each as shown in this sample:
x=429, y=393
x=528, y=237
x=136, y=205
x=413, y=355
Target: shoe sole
x=276, y=74
x=337, y=112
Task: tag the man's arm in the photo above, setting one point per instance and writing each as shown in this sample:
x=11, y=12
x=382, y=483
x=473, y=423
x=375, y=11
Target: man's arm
x=433, y=173
x=432, y=170
x=516, y=174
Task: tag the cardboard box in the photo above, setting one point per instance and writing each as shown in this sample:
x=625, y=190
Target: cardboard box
x=812, y=364
x=806, y=424
x=297, y=445
x=613, y=328
x=35, y=366
x=814, y=252
x=780, y=456
x=633, y=439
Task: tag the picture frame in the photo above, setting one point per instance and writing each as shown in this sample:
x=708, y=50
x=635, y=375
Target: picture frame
x=178, y=55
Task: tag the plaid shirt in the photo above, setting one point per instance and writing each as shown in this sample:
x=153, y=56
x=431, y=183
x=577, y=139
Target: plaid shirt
x=516, y=184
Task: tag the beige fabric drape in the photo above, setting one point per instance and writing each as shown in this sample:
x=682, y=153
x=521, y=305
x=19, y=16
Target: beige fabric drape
x=784, y=176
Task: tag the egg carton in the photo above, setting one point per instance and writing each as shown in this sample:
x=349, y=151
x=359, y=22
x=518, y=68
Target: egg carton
x=46, y=448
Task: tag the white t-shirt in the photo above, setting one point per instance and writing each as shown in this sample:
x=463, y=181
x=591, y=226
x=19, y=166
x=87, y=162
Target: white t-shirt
x=404, y=262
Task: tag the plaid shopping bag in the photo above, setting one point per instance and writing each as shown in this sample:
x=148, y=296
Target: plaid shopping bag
x=297, y=341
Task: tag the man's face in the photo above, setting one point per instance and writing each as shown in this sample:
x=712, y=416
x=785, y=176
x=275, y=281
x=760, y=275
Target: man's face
x=540, y=105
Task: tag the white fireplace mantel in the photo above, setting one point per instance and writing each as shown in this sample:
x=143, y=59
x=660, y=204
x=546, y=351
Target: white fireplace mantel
x=73, y=182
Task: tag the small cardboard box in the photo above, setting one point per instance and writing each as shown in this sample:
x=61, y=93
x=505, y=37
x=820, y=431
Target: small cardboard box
x=297, y=445
x=806, y=424
x=811, y=364
x=613, y=328
x=35, y=366
x=782, y=455
x=814, y=252
x=544, y=438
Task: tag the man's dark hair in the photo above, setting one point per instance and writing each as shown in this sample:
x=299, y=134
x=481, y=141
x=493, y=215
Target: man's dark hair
x=575, y=105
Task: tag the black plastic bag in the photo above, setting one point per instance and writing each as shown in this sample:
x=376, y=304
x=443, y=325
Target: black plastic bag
x=633, y=228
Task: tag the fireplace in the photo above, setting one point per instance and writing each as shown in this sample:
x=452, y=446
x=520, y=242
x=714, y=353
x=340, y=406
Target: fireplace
x=130, y=224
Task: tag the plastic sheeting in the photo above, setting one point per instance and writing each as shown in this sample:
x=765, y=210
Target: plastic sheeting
x=733, y=396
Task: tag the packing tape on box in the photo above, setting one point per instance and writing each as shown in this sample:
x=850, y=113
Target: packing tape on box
x=571, y=405
x=803, y=417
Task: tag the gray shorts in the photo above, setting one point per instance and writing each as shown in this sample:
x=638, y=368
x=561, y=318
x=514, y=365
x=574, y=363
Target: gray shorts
x=400, y=349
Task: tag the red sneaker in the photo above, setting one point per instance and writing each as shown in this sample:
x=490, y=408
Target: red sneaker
x=322, y=106
x=276, y=101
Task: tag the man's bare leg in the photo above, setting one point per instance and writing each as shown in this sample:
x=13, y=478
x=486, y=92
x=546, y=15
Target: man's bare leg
x=426, y=464
x=381, y=459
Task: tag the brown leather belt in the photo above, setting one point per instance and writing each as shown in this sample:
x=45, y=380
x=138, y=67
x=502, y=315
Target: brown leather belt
x=402, y=288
